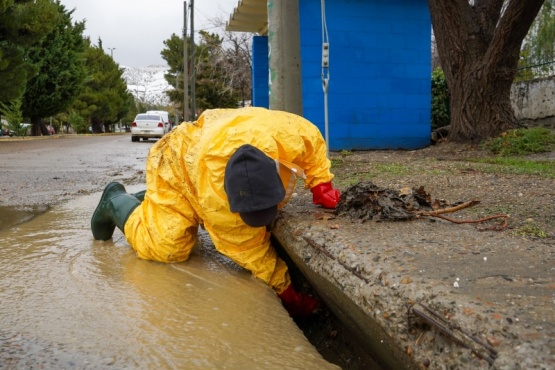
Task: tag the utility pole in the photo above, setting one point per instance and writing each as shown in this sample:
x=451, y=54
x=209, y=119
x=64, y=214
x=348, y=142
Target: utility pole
x=285, y=58
x=185, y=67
x=193, y=74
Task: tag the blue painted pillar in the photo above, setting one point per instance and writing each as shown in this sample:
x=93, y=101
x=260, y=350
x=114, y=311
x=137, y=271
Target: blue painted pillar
x=260, y=68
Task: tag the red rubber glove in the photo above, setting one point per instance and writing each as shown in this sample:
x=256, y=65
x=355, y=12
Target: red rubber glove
x=325, y=195
x=297, y=304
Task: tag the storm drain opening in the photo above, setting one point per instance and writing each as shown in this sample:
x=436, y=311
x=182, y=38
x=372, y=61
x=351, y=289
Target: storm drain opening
x=324, y=330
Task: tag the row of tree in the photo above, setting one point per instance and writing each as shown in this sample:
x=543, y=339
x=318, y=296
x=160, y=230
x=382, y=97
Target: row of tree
x=48, y=68
x=221, y=72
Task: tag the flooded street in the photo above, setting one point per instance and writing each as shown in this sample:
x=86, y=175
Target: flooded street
x=68, y=301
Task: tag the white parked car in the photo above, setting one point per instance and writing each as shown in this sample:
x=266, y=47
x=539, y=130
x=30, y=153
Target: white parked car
x=165, y=116
x=147, y=125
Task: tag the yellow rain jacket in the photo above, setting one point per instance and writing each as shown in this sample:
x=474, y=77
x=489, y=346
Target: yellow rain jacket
x=185, y=186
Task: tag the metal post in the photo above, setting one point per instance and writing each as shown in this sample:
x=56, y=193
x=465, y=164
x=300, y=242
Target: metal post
x=325, y=73
x=193, y=75
x=185, y=67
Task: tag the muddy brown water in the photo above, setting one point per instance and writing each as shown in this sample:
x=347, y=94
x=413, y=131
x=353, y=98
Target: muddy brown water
x=68, y=301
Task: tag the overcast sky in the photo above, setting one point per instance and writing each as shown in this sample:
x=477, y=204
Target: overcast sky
x=136, y=29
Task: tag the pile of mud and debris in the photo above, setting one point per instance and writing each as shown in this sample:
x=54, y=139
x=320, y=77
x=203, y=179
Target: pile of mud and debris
x=365, y=201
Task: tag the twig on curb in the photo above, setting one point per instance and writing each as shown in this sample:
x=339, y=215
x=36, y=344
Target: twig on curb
x=464, y=205
x=498, y=227
x=444, y=327
x=439, y=214
x=320, y=248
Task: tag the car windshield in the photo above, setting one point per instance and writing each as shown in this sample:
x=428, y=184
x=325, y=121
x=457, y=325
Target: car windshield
x=148, y=117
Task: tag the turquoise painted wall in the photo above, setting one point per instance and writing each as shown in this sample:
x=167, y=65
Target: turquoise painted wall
x=379, y=93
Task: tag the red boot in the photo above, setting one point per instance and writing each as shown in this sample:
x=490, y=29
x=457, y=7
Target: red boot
x=297, y=304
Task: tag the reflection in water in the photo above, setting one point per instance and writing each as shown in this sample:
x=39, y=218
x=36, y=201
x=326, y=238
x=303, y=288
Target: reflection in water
x=10, y=216
x=68, y=301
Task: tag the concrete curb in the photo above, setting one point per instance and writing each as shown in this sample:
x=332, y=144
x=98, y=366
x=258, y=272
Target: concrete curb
x=57, y=136
x=385, y=281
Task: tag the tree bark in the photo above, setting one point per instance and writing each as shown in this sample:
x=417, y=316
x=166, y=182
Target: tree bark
x=38, y=127
x=479, y=46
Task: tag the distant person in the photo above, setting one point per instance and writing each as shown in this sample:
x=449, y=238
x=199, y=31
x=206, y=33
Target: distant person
x=229, y=172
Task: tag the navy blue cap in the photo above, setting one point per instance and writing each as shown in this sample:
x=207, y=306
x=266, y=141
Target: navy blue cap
x=253, y=186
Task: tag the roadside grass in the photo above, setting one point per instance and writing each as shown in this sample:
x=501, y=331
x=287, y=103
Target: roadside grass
x=517, y=166
x=371, y=171
x=521, y=141
x=507, y=152
x=530, y=229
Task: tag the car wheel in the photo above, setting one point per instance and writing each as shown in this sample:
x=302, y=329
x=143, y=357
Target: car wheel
x=134, y=138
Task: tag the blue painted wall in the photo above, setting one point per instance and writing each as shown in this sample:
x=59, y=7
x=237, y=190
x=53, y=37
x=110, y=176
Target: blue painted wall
x=260, y=72
x=379, y=93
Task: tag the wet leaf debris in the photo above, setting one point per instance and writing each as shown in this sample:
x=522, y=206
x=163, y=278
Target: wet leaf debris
x=365, y=201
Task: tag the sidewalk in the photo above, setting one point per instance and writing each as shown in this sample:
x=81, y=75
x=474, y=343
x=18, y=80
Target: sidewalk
x=429, y=293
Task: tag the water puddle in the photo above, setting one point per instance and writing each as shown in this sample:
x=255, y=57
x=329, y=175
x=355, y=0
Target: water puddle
x=69, y=301
x=10, y=216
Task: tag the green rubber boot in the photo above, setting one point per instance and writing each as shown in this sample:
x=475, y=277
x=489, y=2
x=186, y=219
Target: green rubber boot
x=140, y=195
x=113, y=210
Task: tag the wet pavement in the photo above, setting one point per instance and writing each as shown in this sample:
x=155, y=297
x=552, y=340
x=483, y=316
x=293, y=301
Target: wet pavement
x=71, y=302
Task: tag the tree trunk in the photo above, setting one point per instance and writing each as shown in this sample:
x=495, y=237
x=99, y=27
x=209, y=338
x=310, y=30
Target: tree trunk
x=479, y=46
x=38, y=127
x=480, y=109
x=96, y=127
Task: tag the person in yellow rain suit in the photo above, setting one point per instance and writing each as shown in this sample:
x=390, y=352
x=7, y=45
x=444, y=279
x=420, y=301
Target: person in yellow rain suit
x=229, y=172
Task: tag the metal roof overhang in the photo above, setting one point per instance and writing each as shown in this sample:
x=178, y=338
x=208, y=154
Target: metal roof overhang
x=249, y=16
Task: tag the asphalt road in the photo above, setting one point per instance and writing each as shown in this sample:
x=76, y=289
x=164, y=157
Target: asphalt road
x=49, y=170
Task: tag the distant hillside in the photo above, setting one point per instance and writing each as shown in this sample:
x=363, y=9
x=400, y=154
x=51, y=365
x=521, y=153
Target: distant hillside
x=147, y=84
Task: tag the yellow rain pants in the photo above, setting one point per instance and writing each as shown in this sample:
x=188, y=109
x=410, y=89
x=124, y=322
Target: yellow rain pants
x=185, y=186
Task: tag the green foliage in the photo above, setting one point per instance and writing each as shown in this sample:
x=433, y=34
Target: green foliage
x=105, y=99
x=392, y=168
x=336, y=162
x=13, y=72
x=213, y=89
x=220, y=80
x=522, y=142
x=537, y=57
x=518, y=166
x=524, y=72
x=173, y=55
x=132, y=111
x=22, y=23
x=77, y=123
x=61, y=69
x=12, y=113
x=530, y=229
x=441, y=114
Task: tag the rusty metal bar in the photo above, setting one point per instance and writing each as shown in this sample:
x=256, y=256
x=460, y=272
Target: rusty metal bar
x=477, y=340
x=319, y=248
x=443, y=328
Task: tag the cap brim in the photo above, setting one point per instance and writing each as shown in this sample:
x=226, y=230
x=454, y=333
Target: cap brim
x=261, y=218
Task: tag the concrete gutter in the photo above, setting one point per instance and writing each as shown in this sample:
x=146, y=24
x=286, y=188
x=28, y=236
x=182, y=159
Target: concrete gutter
x=385, y=281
